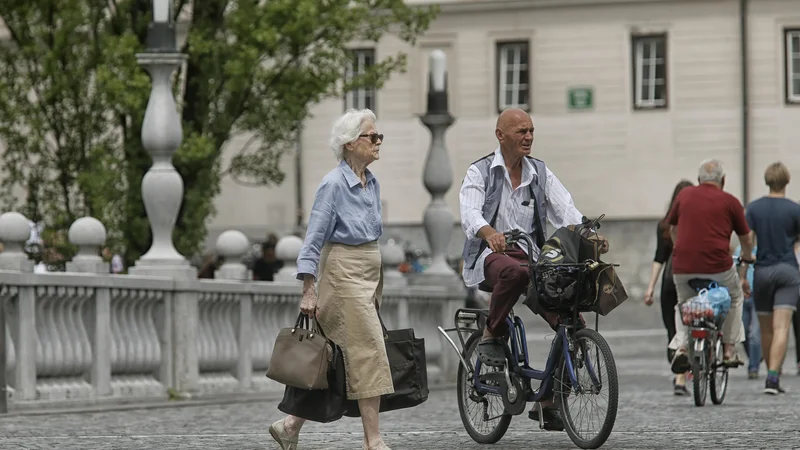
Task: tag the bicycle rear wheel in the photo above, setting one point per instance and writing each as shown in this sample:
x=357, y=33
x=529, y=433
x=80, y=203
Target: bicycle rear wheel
x=699, y=373
x=482, y=414
x=718, y=378
x=596, y=373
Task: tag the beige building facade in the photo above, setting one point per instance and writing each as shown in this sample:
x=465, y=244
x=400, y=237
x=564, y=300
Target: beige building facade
x=627, y=98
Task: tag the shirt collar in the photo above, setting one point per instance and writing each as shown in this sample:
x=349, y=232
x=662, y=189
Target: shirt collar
x=351, y=177
x=528, y=170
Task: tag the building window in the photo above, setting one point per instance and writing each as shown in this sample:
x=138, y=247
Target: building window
x=364, y=97
x=792, y=61
x=513, y=75
x=650, y=71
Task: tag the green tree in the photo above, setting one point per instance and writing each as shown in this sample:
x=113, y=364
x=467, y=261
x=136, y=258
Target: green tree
x=74, y=99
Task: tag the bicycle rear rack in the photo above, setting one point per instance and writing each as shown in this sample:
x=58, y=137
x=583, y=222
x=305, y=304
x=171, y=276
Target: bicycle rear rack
x=467, y=320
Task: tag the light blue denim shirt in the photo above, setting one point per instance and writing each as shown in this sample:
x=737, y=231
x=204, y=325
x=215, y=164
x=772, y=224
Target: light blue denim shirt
x=750, y=269
x=343, y=212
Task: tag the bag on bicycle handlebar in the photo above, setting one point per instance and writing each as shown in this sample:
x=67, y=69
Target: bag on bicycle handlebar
x=559, y=286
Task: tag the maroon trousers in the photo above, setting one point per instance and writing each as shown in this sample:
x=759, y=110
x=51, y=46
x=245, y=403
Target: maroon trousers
x=504, y=273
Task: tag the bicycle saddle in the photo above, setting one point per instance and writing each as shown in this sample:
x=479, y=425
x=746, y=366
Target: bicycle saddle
x=700, y=283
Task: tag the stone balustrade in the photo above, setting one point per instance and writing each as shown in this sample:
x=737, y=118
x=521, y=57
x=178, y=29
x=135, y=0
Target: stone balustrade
x=88, y=337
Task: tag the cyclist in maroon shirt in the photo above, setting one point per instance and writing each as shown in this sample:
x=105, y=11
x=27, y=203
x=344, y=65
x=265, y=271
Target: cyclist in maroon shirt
x=703, y=218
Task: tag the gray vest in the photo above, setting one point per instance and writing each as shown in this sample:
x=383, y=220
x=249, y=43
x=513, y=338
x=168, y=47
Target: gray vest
x=493, y=187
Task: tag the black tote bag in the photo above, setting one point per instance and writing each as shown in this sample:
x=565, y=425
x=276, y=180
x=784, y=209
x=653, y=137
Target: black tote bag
x=406, y=354
x=321, y=405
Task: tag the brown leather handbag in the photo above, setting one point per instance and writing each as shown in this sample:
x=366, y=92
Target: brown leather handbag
x=301, y=357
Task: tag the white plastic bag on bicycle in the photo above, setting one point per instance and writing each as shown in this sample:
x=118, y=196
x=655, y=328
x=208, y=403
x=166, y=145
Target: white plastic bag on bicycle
x=711, y=304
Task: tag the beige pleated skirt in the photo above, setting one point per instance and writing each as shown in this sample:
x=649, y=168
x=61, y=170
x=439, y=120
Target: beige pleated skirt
x=350, y=288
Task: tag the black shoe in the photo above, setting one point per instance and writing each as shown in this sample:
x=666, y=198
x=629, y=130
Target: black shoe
x=552, y=417
x=680, y=390
x=491, y=351
x=680, y=363
x=773, y=387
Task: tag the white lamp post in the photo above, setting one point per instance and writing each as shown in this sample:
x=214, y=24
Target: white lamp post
x=437, y=177
x=162, y=133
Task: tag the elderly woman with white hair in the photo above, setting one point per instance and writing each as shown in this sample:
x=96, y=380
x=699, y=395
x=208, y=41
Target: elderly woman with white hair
x=341, y=252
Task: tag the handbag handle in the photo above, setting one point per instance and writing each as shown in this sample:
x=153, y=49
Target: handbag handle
x=302, y=323
x=385, y=330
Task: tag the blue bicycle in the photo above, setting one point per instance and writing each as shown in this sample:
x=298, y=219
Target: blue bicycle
x=579, y=372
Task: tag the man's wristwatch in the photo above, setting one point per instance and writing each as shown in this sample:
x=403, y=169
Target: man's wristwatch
x=741, y=261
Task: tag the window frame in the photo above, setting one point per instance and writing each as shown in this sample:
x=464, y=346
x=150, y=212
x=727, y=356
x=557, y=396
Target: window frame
x=640, y=104
x=500, y=74
x=790, y=98
x=348, y=96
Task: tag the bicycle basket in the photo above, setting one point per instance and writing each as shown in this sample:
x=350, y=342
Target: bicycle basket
x=559, y=287
x=702, y=312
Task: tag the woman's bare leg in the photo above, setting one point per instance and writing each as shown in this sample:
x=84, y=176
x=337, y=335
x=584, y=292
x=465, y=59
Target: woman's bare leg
x=369, y=408
x=293, y=424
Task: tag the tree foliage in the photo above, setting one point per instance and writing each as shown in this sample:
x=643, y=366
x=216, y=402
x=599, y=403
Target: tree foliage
x=74, y=99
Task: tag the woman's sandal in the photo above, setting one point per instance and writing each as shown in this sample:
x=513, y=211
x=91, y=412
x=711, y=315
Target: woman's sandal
x=491, y=351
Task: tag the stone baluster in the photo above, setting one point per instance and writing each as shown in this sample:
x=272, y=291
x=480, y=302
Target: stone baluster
x=20, y=317
x=438, y=220
x=392, y=256
x=232, y=245
x=89, y=235
x=14, y=233
x=287, y=250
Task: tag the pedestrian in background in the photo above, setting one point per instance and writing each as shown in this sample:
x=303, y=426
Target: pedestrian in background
x=341, y=252
x=752, y=330
x=669, y=296
x=775, y=221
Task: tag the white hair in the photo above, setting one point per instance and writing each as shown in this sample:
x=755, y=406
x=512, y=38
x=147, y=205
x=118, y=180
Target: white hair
x=347, y=128
x=711, y=170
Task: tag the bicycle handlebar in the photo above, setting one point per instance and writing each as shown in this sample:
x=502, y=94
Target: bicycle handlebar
x=517, y=235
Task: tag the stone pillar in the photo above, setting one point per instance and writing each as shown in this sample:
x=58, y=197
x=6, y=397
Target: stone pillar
x=162, y=185
x=14, y=233
x=89, y=235
x=232, y=245
x=287, y=250
x=438, y=220
x=20, y=316
x=392, y=256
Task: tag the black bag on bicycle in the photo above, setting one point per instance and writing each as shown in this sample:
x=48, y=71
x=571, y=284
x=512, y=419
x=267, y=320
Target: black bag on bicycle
x=558, y=286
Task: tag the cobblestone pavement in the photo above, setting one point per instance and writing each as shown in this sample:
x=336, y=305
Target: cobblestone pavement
x=649, y=417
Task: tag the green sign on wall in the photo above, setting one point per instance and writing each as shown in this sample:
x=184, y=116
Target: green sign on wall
x=580, y=98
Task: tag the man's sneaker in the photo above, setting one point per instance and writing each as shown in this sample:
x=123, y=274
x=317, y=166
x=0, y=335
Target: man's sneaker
x=773, y=387
x=753, y=375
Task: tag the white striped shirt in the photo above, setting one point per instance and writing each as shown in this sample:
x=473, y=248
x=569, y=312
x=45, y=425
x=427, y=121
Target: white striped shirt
x=561, y=210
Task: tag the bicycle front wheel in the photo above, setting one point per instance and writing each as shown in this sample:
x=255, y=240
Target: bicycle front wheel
x=590, y=408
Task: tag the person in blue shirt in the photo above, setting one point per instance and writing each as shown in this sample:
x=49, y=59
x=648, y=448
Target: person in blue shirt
x=752, y=339
x=341, y=252
x=775, y=221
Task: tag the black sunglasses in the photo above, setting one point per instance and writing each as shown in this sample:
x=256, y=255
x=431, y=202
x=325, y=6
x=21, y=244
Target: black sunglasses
x=373, y=137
